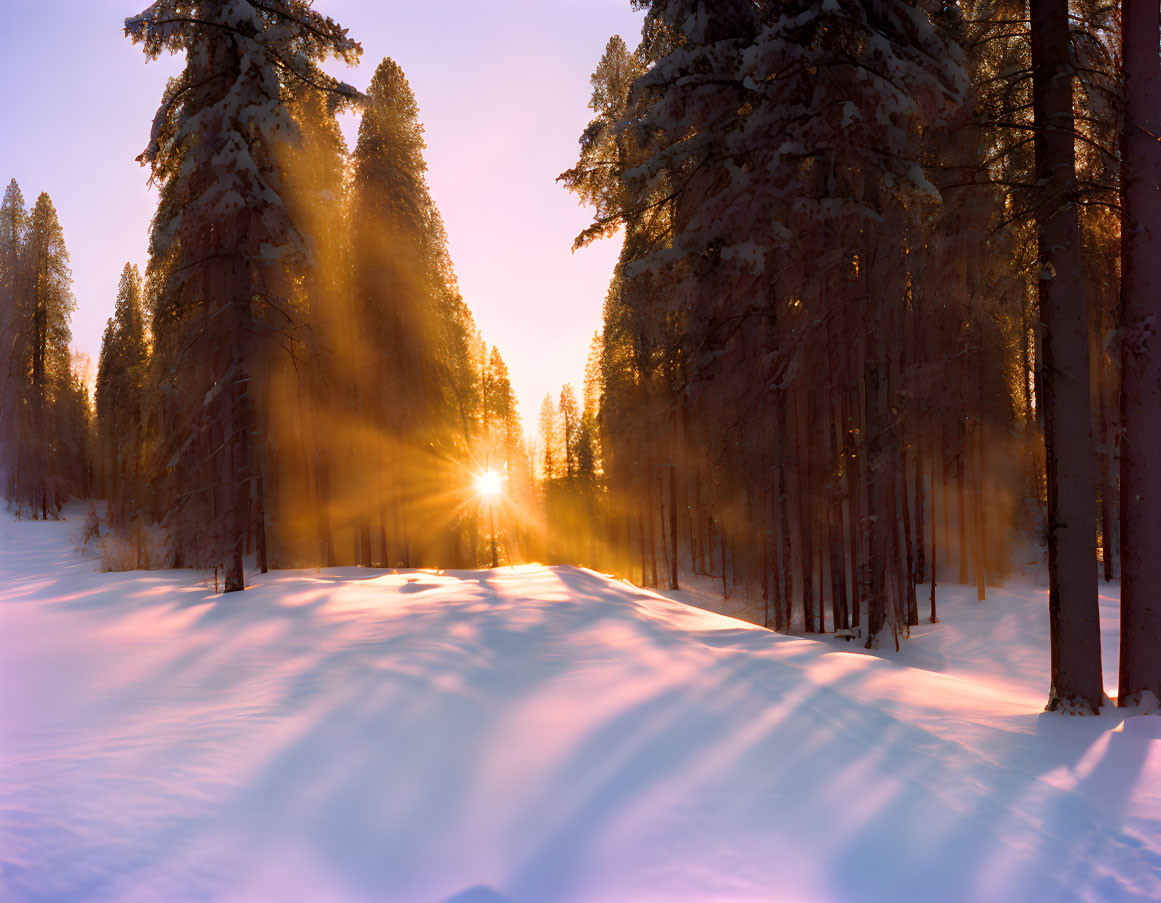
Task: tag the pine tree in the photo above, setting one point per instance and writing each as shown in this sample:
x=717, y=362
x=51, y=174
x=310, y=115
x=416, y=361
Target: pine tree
x=223, y=241
x=13, y=376
x=548, y=425
x=120, y=396
x=570, y=429
x=44, y=350
x=410, y=361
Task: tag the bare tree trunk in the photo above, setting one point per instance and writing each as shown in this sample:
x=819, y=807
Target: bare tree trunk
x=880, y=521
x=1074, y=624
x=961, y=512
x=980, y=518
x=1140, y=665
x=921, y=564
x=641, y=542
x=725, y=582
x=652, y=538
x=260, y=525
x=673, y=527
x=805, y=524
x=934, y=615
x=912, y=605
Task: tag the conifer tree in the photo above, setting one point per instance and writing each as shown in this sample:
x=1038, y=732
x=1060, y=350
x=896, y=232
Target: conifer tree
x=414, y=395
x=13, y=238
x=43, y=353
x=223, y=242
x=120, y=399
x=548, y=424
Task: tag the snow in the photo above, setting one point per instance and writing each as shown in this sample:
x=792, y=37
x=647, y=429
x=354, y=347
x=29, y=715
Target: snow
x=538, y=734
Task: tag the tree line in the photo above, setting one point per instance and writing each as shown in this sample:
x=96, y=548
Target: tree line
x=883, y=306
x=295, y=376
x=44, y=403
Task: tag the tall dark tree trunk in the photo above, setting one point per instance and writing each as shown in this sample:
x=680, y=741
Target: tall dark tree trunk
x=934, y=614
x=978, y=521
x=805, y=523
x=1074, y=622
x=921, y=564
x=961, y=511
x=1109, y=517
x=880, y=521
x=260, y=525
x=1140, y=667
x=652, y=539
x=673, y=527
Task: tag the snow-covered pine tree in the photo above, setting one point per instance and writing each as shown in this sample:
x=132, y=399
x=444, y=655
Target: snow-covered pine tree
x=223, y=242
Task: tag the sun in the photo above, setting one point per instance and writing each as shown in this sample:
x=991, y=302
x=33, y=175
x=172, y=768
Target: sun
x=489, y=484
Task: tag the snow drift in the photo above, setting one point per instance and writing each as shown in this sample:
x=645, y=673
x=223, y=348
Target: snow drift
x=534, y=734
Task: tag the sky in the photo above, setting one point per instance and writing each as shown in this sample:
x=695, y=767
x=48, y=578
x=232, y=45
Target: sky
x=503, y=91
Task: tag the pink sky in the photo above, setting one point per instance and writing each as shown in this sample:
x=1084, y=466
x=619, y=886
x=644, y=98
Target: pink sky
x=503, y=92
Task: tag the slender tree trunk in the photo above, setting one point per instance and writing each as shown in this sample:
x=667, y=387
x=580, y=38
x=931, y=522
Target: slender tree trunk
x=673, y=527
x=943, y=481
x=961, y=511
x=641, y=543
x=260, y=525
x=787, y=548
x=1074, y=624
x=980, y=518
x=934, y=614
x=912, y=604
x=805, y=524
x=1140, y=665
x=921, y=562
x=652, y=539
x=725, y=582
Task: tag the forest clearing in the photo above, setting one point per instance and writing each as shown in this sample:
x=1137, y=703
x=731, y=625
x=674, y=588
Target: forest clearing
x=599, y=450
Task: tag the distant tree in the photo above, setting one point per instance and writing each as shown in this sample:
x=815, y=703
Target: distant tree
x=570, y=429
x=548, y=424
x=501, y=416
x=43, y=348
x=13, y=375
x=122, y=371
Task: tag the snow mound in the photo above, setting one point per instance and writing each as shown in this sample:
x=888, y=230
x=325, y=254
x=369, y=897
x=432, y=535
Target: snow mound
x=520, y=736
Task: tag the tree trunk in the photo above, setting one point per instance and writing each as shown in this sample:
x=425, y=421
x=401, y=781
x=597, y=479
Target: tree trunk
x=672, y=527
x=260, y=526
x=980, y=518
x=1074, y=623
x=805, y=525
x=649, y=516
x=934, y=615
x=1140, y=666
x=961, y=511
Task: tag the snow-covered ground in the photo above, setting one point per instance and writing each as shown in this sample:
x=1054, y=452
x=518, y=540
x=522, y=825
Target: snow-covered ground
x=538, y=734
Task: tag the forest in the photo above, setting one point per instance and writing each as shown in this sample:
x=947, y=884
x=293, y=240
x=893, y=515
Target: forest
x=883, y=318
x=760, y=545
